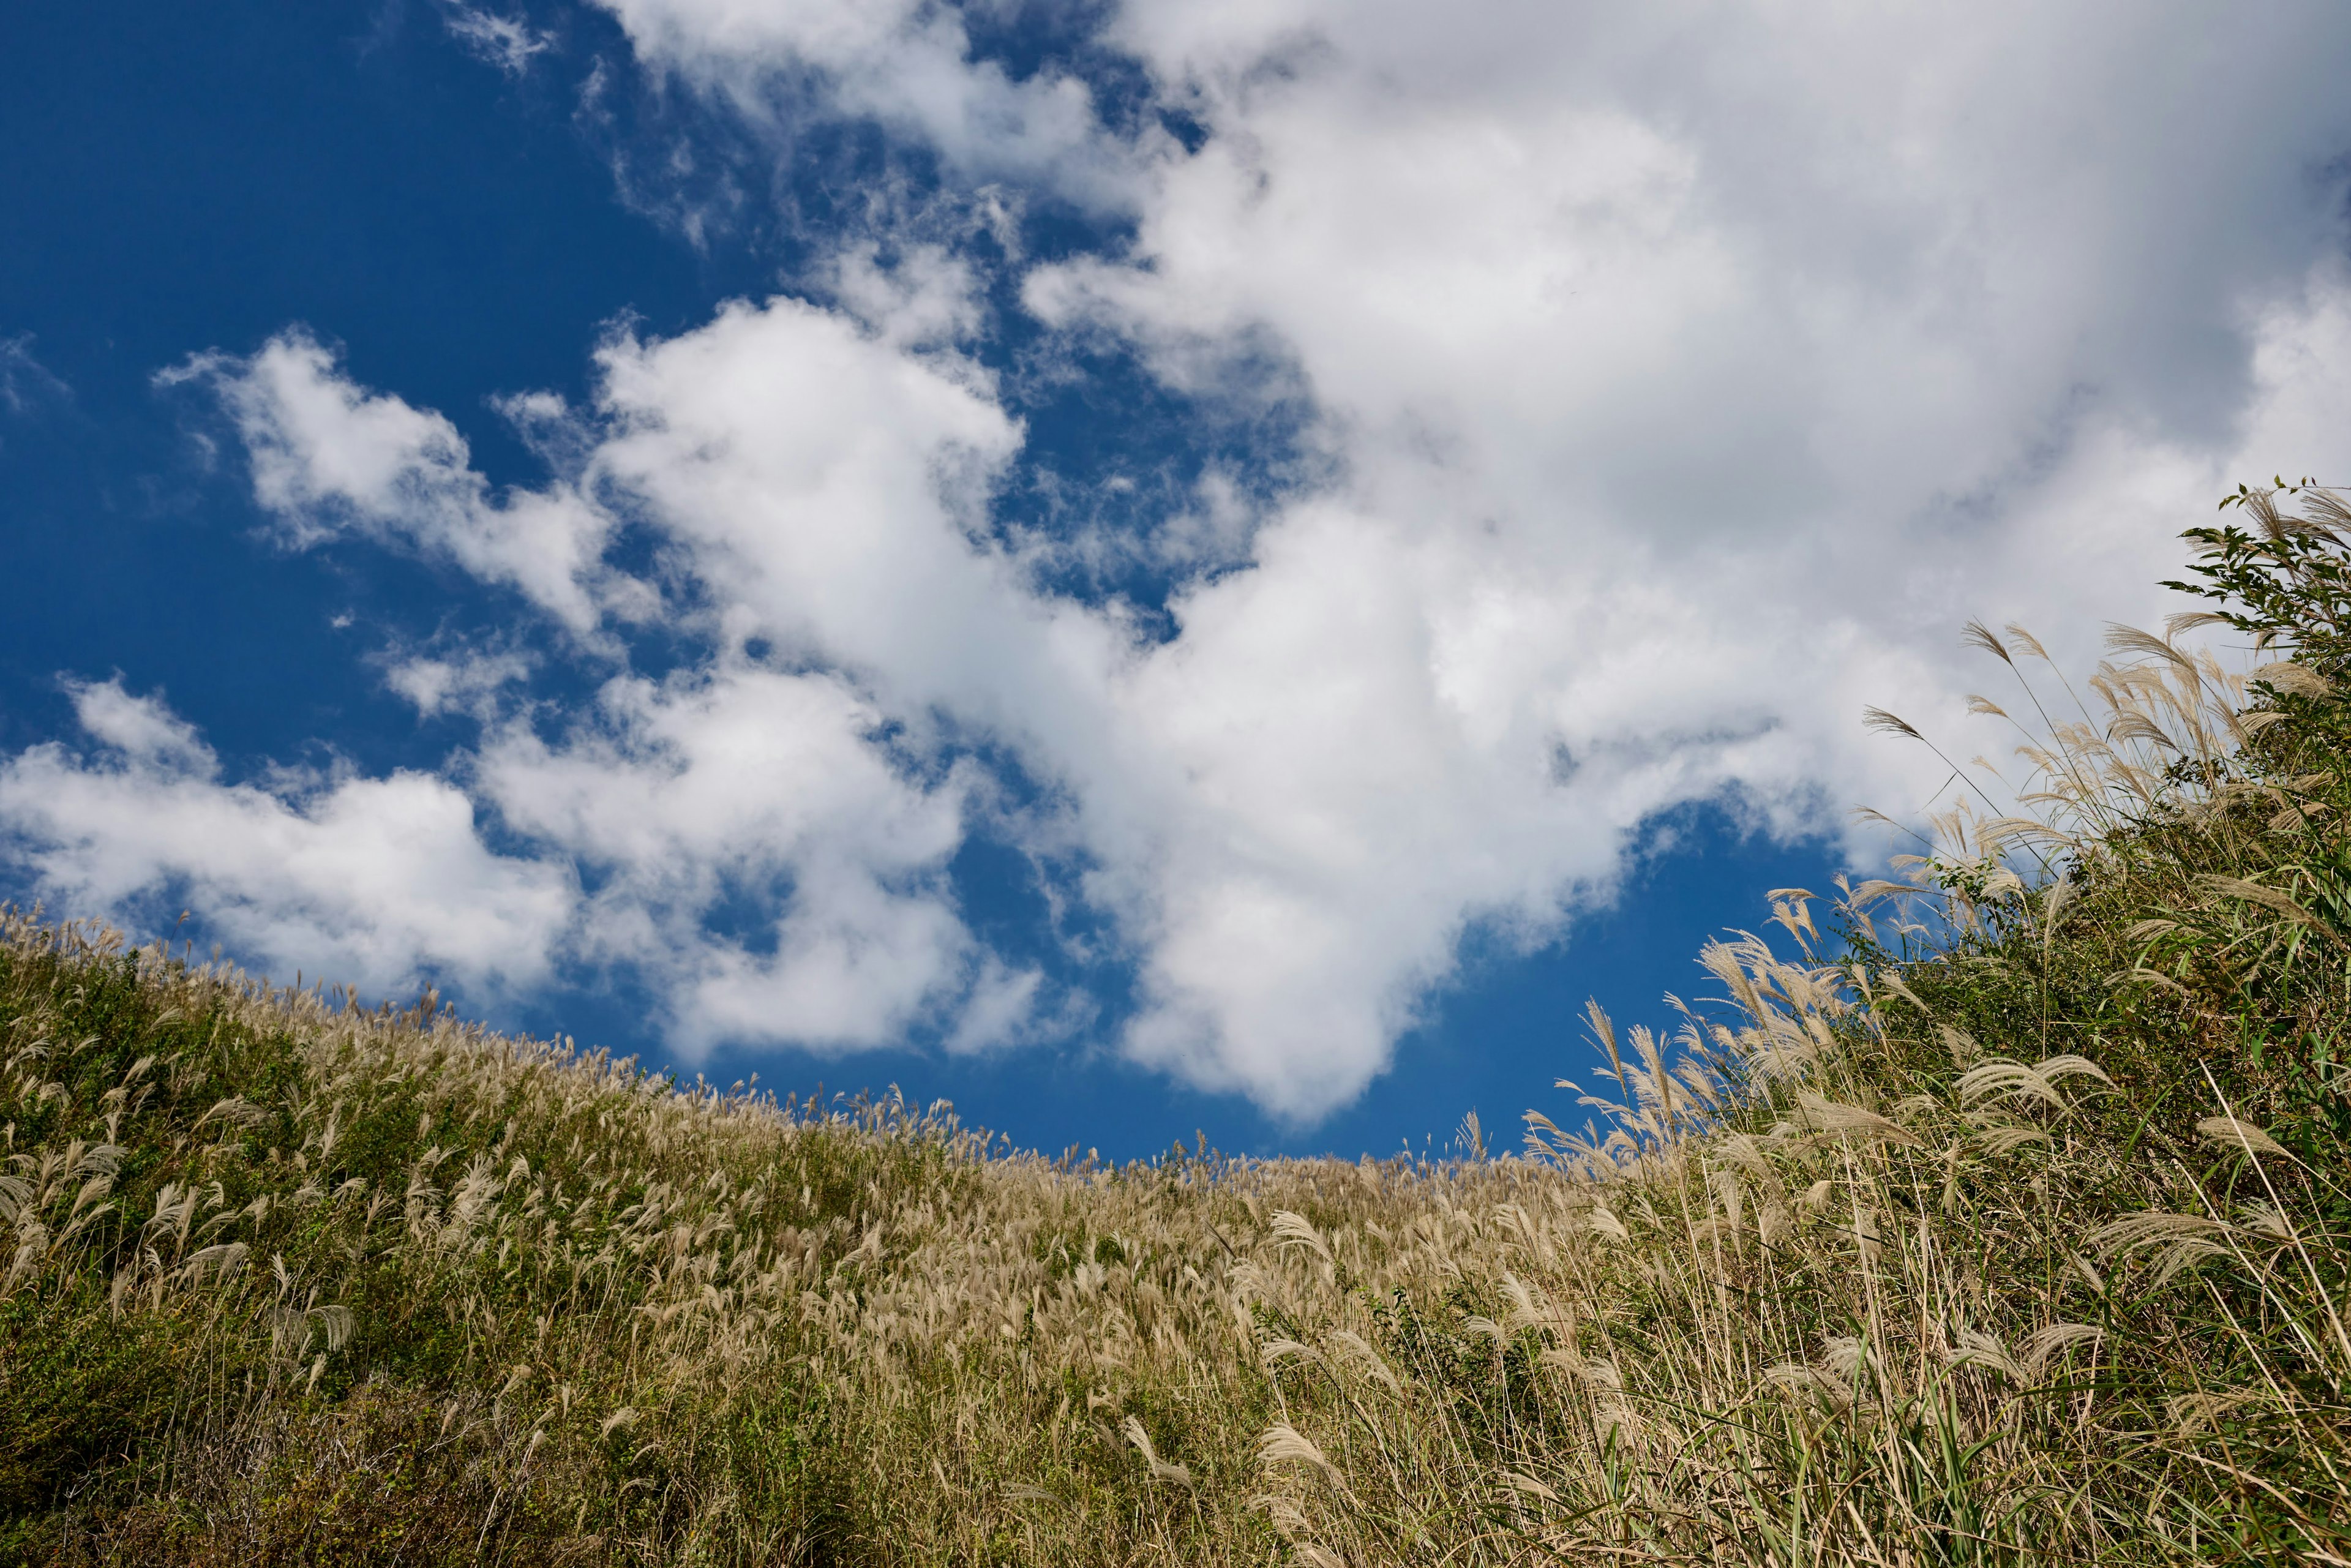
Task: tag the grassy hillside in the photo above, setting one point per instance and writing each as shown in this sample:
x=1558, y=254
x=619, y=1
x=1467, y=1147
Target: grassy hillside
x=1996, y=1213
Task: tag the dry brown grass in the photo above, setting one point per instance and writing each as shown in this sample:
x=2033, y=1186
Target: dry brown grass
x=1976, y=1232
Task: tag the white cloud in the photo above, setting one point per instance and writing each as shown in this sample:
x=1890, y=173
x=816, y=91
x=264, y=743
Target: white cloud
x=468, y=683
x=1692, y=374
x=924, y=301
x=372, y=880
x=146, y=734
x=750, y=783
x=507, y=42
x=1680, y=263
x=1686, y=375
x=905, y=63
x=1398, y=720
x=800, y=482
x=741, y=787
x=1002, y=1009
x=328, y=457
x=26, y=382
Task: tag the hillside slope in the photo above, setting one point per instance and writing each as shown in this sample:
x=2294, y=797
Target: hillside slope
x=2003, y=1220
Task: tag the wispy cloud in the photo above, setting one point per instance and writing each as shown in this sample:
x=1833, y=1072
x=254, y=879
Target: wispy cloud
x=25, y=383
x=507, y=42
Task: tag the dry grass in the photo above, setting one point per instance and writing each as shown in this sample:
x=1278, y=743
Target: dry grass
x=2003, y=1222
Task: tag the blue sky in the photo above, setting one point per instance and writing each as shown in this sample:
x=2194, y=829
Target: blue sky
x=1139, y=568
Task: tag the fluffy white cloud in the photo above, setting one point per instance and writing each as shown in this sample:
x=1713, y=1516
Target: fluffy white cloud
x=1395, y=721
x=805, y=474
x=906, y=63
x=1707, y=276
x=374, y=881
x=1684, y=377
x=1690, y=374
x=327, y=456
x=769, y=794
x=750, y=783
x=1693, y=374
x=469, y=682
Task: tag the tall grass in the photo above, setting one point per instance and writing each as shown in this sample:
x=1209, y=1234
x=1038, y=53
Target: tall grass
x=1994, y=1212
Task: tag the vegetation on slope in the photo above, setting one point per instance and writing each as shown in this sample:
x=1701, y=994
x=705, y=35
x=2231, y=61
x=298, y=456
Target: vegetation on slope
x=2003, y=1221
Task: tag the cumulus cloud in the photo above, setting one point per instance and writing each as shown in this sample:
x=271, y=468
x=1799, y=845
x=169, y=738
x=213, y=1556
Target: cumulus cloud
x=750, y=842
x=1677, y=380
x=924, y=301
x=769, y=794
x=1599, y=266
x=1683, y=401
x=329, y=458
x=1397, y=721
x=469, y=682
x=751, y=784
x=379, y=880
x=907, y=64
